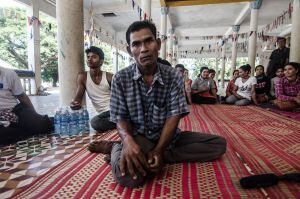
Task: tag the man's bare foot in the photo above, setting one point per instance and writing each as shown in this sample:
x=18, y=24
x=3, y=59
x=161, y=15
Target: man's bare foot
x=102, y=146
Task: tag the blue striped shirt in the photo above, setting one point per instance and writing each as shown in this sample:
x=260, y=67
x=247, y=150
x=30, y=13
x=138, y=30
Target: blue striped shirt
x=147, y=108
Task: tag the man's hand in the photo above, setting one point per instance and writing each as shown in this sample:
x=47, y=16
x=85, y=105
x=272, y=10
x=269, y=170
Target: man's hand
x=133, y=158
x=75, y=105
x=155, y=161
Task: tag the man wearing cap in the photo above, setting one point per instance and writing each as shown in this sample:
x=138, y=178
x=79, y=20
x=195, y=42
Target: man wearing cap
x=278, y=58
x=97, y=84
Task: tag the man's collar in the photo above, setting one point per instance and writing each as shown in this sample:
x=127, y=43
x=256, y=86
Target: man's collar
x=157, y=76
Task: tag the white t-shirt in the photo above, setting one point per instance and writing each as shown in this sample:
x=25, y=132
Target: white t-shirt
x=10, y=86
x=244, y=88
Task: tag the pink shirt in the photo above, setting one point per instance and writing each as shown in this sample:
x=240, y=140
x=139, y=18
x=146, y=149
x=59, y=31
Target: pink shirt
x=287, y=91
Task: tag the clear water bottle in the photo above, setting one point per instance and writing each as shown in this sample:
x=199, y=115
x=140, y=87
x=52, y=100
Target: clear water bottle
x=86, y=119
x=73, y=123
x=65, y=118
x=81, y=121
x=57, y=122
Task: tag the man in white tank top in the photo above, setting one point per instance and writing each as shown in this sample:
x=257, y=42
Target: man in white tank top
x=97, y=85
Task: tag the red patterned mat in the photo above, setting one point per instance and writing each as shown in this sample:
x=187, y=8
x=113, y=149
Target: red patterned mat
x=85, y=175
x=266, y=141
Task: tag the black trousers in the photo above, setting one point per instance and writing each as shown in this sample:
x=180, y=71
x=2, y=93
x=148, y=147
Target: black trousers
x=30, y=123
x=196, y=99
x=101, y=122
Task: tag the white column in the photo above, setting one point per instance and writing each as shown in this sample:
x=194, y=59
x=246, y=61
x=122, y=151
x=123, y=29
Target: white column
x=163, y=31
x=146, y=8
x=234, y=47
x=255, y=5
x=217, y=71
x=116, y=61
x=170, y=45
x=70, y=46
x=223, y=57
x=295, y=36
x=174, y=55
x=34, y=56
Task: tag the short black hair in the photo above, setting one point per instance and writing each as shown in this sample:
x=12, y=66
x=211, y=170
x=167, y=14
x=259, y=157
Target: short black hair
x=281, y=38
x=138, y=25
x=246, y=68
x=96, y=50
x=203, y=68
x=211, y=71
x=180, y=66
x=235, y=71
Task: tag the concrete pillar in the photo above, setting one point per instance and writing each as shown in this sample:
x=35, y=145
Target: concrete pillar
x=295, y=36
x=170, y=45
x=146, y=8
x=255, y=5
x=174, y=52
x=34, y=55
x=70, y=46
x=116, y=61
x=223, y=57
x=163, y=31
x=217, y=71
x=235, y=30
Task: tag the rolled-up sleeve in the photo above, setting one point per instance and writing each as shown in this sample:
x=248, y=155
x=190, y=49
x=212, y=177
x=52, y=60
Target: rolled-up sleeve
x=118, y=107
x=177, y=104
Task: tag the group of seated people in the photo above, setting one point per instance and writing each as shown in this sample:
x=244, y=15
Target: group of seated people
x=282, y=91
x=145, y=102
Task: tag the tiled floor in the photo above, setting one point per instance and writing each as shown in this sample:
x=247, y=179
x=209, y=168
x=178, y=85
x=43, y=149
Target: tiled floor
x=22, y=162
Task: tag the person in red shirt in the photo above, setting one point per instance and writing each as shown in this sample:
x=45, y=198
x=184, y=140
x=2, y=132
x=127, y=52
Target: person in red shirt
x=287, y=89
x=230, y=86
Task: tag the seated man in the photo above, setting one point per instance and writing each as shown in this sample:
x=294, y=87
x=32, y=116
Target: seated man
x=97, y=85
x=18, y=119
x=147, y=102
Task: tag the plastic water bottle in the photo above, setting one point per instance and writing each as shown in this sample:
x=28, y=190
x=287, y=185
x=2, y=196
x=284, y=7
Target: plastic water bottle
x=86, y=119
x=65, y=130
x=57, y=122
x=81, y=121
x=73, y=123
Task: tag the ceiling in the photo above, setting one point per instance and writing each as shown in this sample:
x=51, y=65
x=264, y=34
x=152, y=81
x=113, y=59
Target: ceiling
x=191, y=20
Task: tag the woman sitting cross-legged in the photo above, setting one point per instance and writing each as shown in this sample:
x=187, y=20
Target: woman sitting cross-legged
x=204, y=89
x=262, y=89
x=244, y=88
x=287, y=88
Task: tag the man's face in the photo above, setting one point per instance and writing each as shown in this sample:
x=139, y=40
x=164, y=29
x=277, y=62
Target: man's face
x=144, y=48
x=93, y=60
x=281, y=43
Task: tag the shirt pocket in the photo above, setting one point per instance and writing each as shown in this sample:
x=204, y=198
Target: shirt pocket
x=158, y=116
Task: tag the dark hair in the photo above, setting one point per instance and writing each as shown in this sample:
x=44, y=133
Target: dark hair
x=180, y=66
x=281, y=38
x=295, y=65
x=203, y=68
x=261, y=67
x=163, y=61
x=96, y=50
x=211, y=71
x=246, y=68
x=138, y=25
x=279, y=68
x=235, y=71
